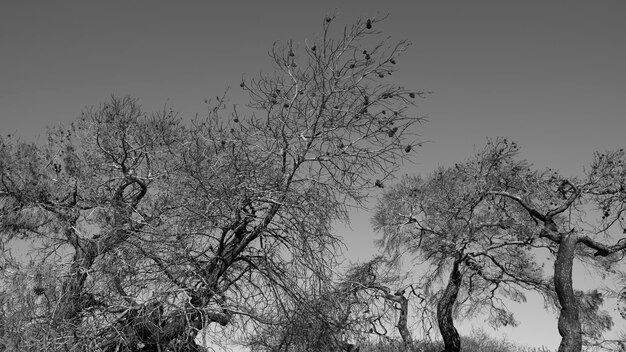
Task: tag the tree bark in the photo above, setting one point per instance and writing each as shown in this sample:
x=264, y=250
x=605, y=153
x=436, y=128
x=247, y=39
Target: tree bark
x=451, y=338
x=569, y=320
x=403, y=320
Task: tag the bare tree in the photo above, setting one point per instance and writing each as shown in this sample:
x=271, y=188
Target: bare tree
x=379, y=296
x=579, y=217
x=167, y=228
x=80, y=199
x=448, y=223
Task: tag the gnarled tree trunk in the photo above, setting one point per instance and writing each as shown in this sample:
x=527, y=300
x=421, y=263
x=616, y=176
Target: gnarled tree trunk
x=403, y=319
x=569, y=320
x=451, y=338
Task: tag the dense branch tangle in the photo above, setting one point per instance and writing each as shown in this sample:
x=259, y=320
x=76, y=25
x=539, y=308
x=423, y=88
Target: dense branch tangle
x=173, y=227
x=328, y=110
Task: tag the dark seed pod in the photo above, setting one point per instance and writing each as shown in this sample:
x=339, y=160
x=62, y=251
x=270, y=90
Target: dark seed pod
x=393, y=61
x=368, y=24
x=392, y=131
x=379, y=184
x=412, y=95
x=408, y=148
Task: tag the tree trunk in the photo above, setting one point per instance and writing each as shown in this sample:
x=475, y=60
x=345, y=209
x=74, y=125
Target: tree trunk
x=399, y=298
x=451, y=339
x=402, y=320
x=569, y=319
x=73, y=288
x=85, y=253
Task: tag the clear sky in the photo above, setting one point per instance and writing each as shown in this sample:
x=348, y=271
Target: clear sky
x=549, y=75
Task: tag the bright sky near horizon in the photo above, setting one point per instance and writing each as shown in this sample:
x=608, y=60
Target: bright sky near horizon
x=548, y=75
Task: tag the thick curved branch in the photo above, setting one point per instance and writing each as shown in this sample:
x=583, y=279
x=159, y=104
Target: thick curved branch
x=601, y=248
x=568, y=202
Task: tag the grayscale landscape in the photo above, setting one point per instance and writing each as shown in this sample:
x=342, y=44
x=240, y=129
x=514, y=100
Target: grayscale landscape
x=312, y=176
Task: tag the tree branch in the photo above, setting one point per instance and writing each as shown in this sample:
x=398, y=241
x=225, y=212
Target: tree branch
x=602, y=249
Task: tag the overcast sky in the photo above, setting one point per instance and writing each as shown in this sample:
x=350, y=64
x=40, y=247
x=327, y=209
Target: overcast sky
x=549, y=75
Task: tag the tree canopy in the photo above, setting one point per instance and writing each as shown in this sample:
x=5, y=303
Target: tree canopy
x=148, y=230
x=482, y=221
x=447, y=222
x=128, y=230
